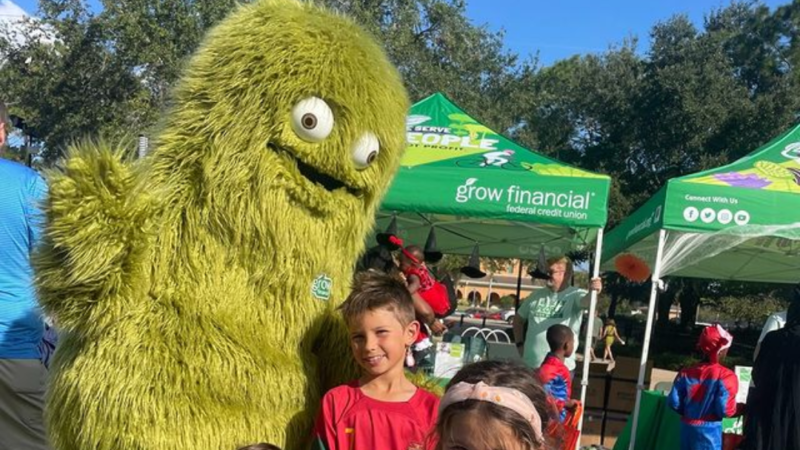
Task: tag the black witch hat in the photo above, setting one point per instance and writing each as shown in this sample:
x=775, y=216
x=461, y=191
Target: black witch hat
x=473, y=267
x=541, y=269
x=388, y=238
x=432, y=253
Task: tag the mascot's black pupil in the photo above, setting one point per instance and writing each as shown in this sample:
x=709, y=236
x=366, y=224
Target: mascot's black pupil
x=309, y=121
x=372, y=157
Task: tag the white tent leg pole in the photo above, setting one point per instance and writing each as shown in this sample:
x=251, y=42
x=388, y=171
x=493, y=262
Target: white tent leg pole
x=647, y=332
x=587, y=343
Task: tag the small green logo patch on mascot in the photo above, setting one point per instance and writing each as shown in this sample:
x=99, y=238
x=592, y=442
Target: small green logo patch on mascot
x=321, y=287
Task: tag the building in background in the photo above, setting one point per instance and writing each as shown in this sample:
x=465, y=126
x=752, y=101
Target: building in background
x=494, y=287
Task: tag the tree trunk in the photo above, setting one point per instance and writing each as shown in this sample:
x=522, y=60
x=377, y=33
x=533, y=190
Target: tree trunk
x=612, y=307
x=689, y=299
x=664, y=305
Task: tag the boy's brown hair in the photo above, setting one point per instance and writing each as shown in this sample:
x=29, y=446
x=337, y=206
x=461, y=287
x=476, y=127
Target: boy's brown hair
x=374, y=290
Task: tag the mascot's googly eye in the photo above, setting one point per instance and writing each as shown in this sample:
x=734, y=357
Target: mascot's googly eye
x=312, y=119
x=365, y=150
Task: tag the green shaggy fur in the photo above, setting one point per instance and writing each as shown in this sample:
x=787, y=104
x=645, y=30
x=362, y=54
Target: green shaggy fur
x=183, y=281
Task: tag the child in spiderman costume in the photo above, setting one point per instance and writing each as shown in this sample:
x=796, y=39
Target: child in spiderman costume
x=705, y=393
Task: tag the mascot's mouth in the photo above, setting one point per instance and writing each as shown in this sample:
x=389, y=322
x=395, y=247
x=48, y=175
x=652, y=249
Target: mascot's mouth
x=314, y=175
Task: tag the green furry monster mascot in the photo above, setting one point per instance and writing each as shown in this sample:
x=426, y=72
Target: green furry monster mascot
x=197, y=287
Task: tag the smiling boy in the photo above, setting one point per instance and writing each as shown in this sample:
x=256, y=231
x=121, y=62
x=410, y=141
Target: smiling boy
x=382, y=409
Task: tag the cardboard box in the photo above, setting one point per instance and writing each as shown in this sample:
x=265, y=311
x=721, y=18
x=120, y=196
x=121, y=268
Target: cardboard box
x=595, y=368
x=621, y=396
x=612, y=428
x=592, y=432
x=663, y=377
x=588, y=440
x=595, y=392
x=628, y=369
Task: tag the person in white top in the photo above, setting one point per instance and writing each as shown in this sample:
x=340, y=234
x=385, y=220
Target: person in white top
x=557, y=303
x=774, y=322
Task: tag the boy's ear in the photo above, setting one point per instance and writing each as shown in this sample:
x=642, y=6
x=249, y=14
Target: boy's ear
x=412, y=330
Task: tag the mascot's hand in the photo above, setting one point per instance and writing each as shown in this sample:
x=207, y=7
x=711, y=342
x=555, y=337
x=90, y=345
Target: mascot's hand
x=95, y=234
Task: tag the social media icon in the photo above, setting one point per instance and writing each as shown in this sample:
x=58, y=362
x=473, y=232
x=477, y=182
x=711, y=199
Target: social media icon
x=741, y=217
x=725, y=216
x=708, y=215
x=691, y=214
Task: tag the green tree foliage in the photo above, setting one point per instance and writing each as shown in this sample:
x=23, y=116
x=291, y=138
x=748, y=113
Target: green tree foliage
x=437, y=48
x=111, y=72
x=696, y=99
x=108, y=73
x=749, y=310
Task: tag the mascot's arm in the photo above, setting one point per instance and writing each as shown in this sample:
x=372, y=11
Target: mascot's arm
x=94, y=239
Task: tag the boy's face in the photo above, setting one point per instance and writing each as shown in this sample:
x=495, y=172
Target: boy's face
x=379, y=341
x=569, y=346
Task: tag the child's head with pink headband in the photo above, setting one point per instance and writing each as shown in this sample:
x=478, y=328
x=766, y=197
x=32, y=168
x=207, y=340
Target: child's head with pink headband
x=494, y=404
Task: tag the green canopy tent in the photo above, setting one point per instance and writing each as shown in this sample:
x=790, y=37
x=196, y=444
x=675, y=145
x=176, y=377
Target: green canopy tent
x=740, y=221
x=474, y=186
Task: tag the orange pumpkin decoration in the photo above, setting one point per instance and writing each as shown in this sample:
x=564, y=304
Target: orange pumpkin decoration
x=632, y=267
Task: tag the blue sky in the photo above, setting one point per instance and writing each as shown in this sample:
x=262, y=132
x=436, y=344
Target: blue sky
x=559, y=29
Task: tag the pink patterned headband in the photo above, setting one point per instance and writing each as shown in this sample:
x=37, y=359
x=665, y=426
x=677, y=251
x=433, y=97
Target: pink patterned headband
x=505, y=397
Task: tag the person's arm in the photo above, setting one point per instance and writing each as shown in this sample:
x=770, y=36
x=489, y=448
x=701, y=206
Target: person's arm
x=520, y=317
x=324, y=428
x=595, y=285
x=616, y=335
x=727, y=397
x=569, y=402
x=423, y=309
x=675, y=399
x=413, y=284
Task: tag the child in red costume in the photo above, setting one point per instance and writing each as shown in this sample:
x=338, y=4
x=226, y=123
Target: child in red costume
x=705, y=393
x=421, y=282
x=382, y=410
x=553, y=373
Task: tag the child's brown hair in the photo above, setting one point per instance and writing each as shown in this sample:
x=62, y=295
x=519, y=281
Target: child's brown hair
x=506, y=374
x=374, y=290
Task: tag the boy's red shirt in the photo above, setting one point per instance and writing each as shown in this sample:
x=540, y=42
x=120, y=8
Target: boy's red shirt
x=557, y=381
x=350, y=420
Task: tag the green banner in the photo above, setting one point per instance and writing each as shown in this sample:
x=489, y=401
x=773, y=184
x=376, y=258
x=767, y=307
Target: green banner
x=738, y=221
x=455, y=165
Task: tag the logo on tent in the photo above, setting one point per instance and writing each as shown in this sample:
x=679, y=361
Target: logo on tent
x=792, y=151
x=416, y=119
x=741, y=218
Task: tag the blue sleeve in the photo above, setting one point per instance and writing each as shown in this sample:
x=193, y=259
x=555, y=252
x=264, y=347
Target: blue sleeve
x=677, y=396
x=37, y=193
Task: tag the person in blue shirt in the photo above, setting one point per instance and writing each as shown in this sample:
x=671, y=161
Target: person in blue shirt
x=22, y=374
